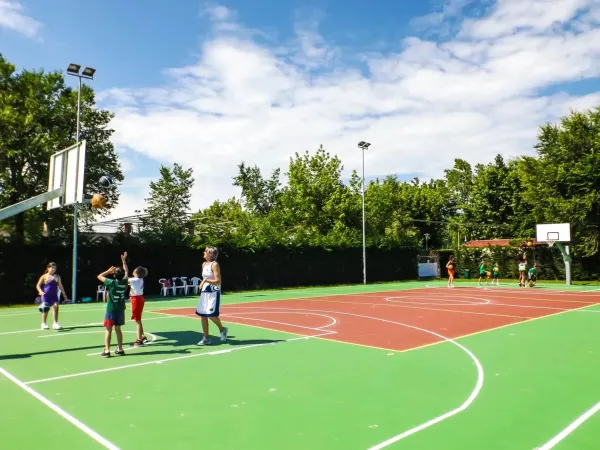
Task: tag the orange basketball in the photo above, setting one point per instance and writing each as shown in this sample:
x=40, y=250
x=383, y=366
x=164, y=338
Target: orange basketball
x=98, y=201
x=529, y=244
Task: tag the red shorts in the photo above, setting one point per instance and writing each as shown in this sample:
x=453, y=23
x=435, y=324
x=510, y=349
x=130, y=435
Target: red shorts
x=137, y=306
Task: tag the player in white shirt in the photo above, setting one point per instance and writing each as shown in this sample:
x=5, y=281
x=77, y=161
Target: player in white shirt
x=210, y=295
x=136, y=283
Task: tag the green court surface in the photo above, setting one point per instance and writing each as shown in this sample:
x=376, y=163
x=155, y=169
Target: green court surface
x=396, y=366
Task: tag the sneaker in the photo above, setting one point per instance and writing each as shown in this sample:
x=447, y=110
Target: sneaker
x=57, y=326
x=105, y=354
x=45, y=326
x=144, y=339
x=120, y=352
x=224, y=334
x=137, y=343
x=205, y=341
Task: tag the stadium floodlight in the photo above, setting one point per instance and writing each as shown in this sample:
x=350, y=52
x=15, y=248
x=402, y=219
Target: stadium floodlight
x=364, y=146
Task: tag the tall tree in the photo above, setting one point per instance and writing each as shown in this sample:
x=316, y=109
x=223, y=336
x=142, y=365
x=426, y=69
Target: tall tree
x=259, y=196
x=167, y=213
x=563, y=183
x=38, y=118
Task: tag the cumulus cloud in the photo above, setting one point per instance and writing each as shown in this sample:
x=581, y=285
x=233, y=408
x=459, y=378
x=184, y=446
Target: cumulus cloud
x=13, y=18
x=477, y=93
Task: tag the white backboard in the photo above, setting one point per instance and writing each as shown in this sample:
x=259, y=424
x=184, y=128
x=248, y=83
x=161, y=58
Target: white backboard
x=560, y=232
x=67, y=169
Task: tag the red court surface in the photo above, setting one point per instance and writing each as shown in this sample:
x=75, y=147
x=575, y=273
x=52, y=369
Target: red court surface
x=403, y=320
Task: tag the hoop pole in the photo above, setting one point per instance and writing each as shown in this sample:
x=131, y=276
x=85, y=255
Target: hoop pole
x=567, y=259
x=32, y=202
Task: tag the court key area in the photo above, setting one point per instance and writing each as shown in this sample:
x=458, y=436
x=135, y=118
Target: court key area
x=399, y=366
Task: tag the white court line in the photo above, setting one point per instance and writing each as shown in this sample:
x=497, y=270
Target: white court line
x=99, y=331
x=564, y=433
x=459, y=409
x=87, y=430
x=333, y=321
x=98, y=324
x=176, y=358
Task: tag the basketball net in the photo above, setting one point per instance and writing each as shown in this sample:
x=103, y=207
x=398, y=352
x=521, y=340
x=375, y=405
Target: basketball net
x=550, y=243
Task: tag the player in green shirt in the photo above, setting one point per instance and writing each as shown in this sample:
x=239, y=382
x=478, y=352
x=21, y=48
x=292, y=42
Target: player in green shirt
x=115, y=307
x=532, y=275
x=483, y=274
x=496, y=274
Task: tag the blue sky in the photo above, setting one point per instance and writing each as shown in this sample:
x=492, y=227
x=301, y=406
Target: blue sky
x=208, y=85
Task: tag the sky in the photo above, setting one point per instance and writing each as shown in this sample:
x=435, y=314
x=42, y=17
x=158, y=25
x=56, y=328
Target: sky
x=211, y=84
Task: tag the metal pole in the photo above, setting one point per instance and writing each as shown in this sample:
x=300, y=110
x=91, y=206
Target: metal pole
x=363, y=220
x=568, y=265
x=75, y=206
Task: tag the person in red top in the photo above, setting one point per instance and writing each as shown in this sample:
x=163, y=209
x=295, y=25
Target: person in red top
x=451, y=267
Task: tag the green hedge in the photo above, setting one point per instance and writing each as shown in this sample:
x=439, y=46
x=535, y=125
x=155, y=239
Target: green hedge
x=243, y=269
x=549, y=261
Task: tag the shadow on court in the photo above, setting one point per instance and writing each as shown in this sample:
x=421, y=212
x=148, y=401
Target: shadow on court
x=187, y=338
x=165, y=340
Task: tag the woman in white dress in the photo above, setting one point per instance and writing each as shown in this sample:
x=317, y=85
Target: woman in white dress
x=210, y=295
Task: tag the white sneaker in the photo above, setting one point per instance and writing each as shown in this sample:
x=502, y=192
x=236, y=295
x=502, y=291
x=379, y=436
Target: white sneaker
x=57, y=326
x=224, y=334
x=45, y=326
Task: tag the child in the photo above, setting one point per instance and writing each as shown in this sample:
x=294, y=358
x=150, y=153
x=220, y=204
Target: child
x=483, y=273
x=115, y=308
x=522, y=270
x=496, y=274
x=137, y=298
x=48, y=286
x=532, y=275
x=450, y=267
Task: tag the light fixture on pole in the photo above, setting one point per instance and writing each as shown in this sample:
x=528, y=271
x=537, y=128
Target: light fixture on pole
x=87, y=73
x=364, y=146
x=427, y=236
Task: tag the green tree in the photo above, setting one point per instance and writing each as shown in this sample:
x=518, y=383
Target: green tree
x=563, y=183
x=167, y=213
x=38, y=118
x=260, y=196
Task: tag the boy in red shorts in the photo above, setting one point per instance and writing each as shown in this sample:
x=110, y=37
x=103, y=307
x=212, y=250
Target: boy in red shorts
x=115, y=308
x=136, y=283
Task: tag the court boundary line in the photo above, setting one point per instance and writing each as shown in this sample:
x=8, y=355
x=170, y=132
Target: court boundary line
x=65, y=415
x=176, y=358
x=570, y=428
x=441, y=286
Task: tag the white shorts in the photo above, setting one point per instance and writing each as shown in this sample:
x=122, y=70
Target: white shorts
x=210, y=302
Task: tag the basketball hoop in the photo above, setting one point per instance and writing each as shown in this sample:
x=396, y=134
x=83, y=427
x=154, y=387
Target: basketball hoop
x=550, y=242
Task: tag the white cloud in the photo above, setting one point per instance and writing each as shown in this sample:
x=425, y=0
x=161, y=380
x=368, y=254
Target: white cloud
x=471, y=96
x=13, y=18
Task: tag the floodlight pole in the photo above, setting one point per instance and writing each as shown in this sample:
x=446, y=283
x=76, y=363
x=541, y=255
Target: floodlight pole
x=364, y=146
x=87, y=73
x=427, y=236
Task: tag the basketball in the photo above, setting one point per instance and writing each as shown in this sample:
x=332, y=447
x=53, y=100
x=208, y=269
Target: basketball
x=98, y=201
x=529, y=244
x=105, y=181
x=531, y=283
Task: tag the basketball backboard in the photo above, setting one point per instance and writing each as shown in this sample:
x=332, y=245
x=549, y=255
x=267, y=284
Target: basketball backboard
x=559, y=232
x=67, y=168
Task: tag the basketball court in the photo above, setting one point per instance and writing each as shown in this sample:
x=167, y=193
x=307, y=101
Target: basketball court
x=406, y=365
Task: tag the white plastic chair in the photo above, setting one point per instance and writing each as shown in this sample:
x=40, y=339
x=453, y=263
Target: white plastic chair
x=101, y=292
x=164, y=290
x=175, y=286
x=195, y=284
x=185, y=285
